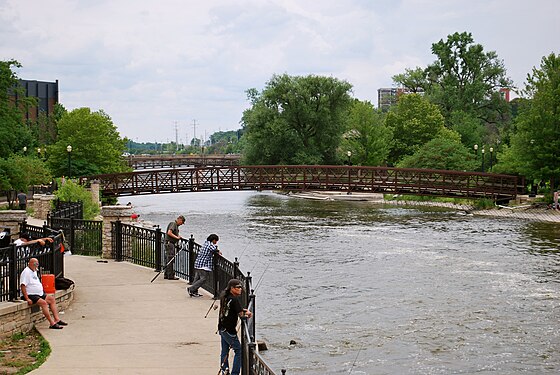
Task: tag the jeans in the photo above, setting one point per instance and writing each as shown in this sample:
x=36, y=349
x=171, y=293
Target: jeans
x=200, y=277
x=230, y=341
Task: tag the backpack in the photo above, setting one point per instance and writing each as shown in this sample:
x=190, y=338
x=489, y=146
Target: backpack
x=63, y=283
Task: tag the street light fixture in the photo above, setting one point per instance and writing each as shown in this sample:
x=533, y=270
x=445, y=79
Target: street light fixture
x=39, y=152
x=24, y=150
x=491, y=151
x=69, y=150
x=482, y=152
x=349, y=153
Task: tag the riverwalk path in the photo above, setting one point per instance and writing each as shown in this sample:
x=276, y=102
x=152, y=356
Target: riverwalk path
x=120, y=323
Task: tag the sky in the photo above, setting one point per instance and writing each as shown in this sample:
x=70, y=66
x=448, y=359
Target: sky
x=158, y=66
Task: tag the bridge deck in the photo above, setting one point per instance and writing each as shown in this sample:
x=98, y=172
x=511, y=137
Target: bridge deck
x=367, y=179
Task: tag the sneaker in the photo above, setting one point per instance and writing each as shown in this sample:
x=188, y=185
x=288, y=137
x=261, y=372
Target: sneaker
x=225, y=371
x=61, y=323
x=194, y=294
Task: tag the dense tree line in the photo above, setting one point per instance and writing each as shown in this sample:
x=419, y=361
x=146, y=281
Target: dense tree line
x=453, y=115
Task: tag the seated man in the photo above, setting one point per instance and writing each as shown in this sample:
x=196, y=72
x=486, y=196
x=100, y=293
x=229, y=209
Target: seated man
x=32, y=292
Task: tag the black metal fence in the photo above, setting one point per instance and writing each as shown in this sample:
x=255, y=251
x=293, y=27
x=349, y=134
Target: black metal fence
x=68, y=210
x=13, y=259
x=145, y=247
x=83, y=237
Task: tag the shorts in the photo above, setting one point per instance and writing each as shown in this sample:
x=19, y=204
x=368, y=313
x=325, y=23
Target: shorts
x=34, y=297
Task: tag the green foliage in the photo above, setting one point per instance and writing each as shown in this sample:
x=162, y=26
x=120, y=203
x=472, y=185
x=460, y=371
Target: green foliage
x=466, y=78
x=535, y=145
x=296, y=120
x=73, y=192
x=96, y=144
x=19, y=172
x=413, y=80
x=484, y=204
x=442, y=152
x=367, y=136
x=414, y=121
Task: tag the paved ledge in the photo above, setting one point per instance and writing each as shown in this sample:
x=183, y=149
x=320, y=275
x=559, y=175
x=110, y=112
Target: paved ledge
x=121, y=323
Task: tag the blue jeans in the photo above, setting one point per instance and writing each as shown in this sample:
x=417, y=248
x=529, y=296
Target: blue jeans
x=230, y=341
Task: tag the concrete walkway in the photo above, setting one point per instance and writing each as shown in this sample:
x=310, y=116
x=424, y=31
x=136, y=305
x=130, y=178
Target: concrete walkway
x=120, y=323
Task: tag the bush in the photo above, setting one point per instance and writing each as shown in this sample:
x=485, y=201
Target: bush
x=73, y=192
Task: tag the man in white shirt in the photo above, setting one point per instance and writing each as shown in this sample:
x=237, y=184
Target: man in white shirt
x=25, y=239
x=32, y=292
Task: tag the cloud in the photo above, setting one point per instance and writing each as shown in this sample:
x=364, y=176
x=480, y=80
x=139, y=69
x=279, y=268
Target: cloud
x=149, y=64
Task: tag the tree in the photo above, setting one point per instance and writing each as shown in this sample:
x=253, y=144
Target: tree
x=442, y=152
x=413, y=80
x=19, y=172
x=73, y=192
x=413, y=121
x=466, y=78
x=367, y=136
x=296, y=120
x=96, y=144
x=13, y=132
x=535, y=146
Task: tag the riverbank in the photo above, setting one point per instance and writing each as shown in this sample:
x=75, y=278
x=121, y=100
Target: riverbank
x=525, y=211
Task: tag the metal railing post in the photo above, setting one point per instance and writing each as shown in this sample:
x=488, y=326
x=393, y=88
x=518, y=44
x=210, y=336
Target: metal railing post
x=191, y=259
x=158, y=249
x=13, y=273
x=118, y=241
x=72, y=235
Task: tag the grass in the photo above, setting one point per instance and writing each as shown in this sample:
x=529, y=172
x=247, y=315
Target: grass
x=23, y=352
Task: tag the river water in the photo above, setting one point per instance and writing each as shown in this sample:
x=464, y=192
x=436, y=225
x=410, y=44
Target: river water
x=375, y=289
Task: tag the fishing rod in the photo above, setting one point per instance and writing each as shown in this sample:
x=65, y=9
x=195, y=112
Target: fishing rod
x=168, y=263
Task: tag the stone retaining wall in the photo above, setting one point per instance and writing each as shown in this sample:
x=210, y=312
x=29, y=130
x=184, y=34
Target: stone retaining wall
x=18, y=316
x=11, y=219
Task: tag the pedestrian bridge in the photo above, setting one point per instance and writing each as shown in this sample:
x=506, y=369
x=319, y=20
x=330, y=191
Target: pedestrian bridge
x=298, y=178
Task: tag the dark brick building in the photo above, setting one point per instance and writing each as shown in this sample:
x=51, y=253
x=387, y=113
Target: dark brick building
x=45, y=92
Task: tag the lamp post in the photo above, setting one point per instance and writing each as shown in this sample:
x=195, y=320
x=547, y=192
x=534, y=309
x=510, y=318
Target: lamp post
x=475, y=147
x=349, y=154
x=482, y=152
x=491, y=151
x=39, y=152
x=69, y=150
x=24, y=150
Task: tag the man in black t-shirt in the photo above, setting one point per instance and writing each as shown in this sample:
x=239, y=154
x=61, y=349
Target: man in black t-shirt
x=230, y=311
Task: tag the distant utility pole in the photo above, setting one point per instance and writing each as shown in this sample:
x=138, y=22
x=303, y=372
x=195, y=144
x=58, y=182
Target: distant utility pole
x=194, y=129
x=176, y=138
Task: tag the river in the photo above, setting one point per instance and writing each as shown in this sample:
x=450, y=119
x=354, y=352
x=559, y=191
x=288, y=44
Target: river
x=364, y=288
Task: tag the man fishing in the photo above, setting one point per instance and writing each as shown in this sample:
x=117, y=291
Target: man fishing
x=230, y=311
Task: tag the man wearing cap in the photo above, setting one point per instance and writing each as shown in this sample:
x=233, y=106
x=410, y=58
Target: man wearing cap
x=230, y=311
x=32, y=292
x=171, y=239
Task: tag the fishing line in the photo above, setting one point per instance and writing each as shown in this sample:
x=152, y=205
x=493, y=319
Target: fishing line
x=355, y=359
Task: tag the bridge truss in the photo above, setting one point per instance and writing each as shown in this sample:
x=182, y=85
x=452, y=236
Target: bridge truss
x=293, y=178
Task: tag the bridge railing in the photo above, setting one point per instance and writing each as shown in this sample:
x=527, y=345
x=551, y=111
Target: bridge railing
x=350, y=179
